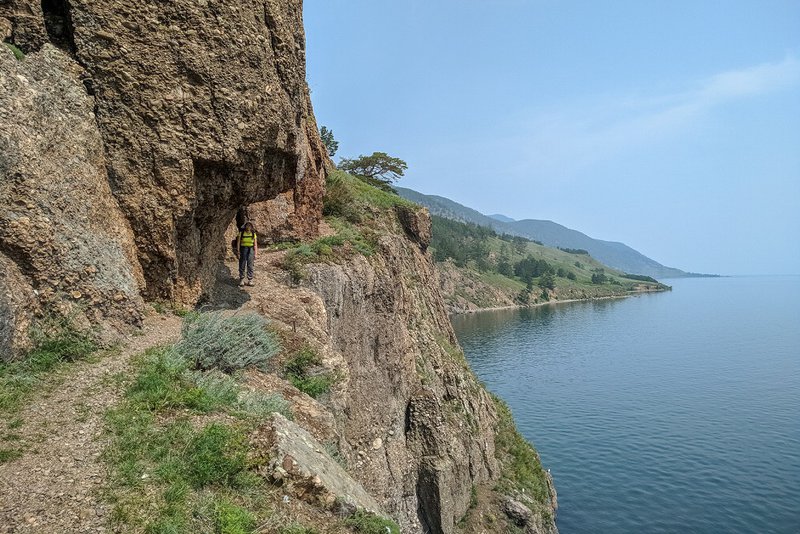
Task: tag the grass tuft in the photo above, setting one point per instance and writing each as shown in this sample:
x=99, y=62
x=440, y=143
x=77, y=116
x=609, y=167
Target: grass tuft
x=369, y=523
x=347, y=240
x=215, y=455
x=299, y=371
x=19, y=54
x=56, y=341
x=8, y=455
x=232, y=519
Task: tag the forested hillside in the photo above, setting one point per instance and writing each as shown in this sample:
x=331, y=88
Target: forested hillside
x=480, y=268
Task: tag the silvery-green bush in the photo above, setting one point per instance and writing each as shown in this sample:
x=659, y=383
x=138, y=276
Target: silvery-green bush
x=229, y=343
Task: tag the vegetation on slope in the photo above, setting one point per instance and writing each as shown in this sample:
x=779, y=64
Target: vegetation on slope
x=56, y=341
x=175, y=468
x=305, y=373
x=353, y=209
x=179, y=440
x=533, y=272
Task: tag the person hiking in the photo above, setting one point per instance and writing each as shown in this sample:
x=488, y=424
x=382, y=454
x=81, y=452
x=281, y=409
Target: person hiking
x=246, y=250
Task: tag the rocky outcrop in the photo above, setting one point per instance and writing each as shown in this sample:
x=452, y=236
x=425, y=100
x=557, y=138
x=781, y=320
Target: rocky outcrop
x=203, y=108
x=412, y=423
x=417, y=427
x=17, y=304
x=132, y=133
x=293, y=459
x=64, y=241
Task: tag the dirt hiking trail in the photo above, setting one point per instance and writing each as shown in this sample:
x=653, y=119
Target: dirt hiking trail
x=55, y=486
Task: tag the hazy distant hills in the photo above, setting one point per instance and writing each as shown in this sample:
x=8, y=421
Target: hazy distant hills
x=500, y=217
x=617, y=255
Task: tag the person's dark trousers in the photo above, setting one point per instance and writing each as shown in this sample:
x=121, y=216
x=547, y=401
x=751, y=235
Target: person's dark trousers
x=247, y=256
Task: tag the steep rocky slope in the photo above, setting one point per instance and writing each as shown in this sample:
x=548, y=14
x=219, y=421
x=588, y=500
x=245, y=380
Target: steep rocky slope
x=412, y=422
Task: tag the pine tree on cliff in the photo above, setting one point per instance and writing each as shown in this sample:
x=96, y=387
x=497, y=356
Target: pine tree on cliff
x=379, y=169
x=331, y=144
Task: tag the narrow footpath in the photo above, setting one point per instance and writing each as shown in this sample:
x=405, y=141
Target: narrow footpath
x=55, y=486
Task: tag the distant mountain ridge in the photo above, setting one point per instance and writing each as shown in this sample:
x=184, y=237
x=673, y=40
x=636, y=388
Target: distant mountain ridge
x=614, y=254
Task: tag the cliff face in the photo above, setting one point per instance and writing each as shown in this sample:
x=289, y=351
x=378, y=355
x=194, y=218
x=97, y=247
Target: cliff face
x=132, y=133
x=411, y=404
x=409, y=418
x=64, y=242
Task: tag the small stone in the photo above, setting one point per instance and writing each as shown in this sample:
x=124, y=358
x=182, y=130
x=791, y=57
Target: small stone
x=377, y=444
x=288, y=463
x=279, y=473
x=76, y=294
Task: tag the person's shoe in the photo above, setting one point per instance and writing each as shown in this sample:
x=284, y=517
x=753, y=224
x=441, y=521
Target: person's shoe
x=250, y=282
x=241, y=282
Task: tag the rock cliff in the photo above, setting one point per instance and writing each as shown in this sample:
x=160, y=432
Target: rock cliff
x=132, y=133
x=409, y=418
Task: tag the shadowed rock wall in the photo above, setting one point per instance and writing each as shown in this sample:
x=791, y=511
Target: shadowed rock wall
x=203, y=107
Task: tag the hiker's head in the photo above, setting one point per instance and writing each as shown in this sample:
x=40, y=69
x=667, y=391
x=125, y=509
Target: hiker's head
x=248, y=227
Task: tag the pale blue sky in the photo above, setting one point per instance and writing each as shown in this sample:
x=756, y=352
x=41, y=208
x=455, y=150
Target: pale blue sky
x=673, y=126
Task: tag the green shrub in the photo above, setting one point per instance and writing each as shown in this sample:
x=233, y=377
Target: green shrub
x=212, y=340
x=298, y=371
x=232, y=519
x=306, y=357
x=313, y=386
x=260, y=405
x=19, y=54
x=369, y=523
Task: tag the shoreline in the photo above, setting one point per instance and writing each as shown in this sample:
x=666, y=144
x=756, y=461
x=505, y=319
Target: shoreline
x=555, y=302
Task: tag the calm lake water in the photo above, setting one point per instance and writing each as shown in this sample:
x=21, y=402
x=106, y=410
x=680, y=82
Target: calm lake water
x=676, y=412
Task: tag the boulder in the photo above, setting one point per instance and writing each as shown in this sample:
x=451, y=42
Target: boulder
x=290, y=456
